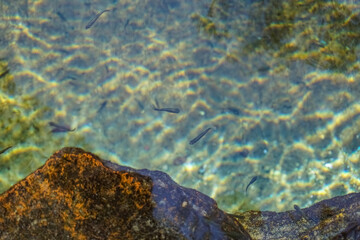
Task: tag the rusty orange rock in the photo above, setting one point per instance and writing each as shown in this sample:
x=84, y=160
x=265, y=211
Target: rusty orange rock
x=76, y=195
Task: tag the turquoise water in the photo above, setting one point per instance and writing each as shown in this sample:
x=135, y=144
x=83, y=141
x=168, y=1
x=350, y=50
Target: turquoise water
x=276, y=81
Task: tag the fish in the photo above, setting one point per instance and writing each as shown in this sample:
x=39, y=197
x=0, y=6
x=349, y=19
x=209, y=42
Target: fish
x=251, y=182
x=141, y=106
x=103, y=105
x=126, y=24
x=232, y=110
x=196, y=139
x=4, y=73
x=93, y=20
x=61, y=16
x=170, y=110
x=298, y=210
x=59, y=128
x=5, y=149
x=302, y=214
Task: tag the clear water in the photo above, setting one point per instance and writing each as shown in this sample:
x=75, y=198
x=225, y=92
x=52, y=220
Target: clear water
x=277, y=81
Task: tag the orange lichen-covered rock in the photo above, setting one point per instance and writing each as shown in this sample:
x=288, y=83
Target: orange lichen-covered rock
x=76, y=195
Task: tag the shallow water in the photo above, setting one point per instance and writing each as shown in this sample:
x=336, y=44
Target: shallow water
x=276, y=81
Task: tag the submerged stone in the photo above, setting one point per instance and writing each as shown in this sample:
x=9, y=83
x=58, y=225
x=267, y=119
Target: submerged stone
x=335, y=218
x=76, y=195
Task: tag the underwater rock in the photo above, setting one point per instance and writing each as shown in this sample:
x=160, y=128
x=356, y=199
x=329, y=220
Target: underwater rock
x=335, y=218
x=76, y=195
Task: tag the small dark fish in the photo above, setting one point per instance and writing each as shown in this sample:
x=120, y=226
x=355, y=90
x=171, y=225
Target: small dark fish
x=4, y=73
x=298, y=210
x=93, y=20
x=232, y=110
x=103, y=105
x=170, y=110
x=264, y=69
x=195, y=140
x=61, y=16
x=59, y=128
x=141, y=106
x=126, y=24
x=251, y=182
x=5, y=149
x=302, y=214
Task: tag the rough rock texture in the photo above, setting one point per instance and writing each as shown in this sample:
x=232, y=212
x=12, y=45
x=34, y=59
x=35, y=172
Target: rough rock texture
x=335, y=218
x=76, y=195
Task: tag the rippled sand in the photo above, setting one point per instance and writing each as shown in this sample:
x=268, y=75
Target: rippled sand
x=277, y=114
